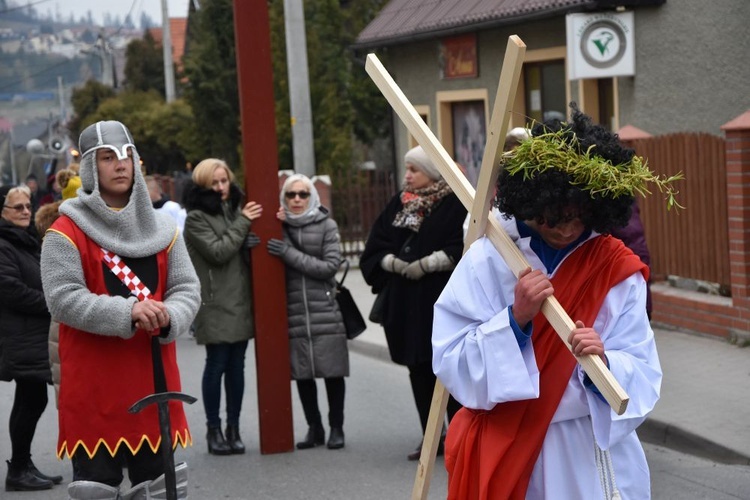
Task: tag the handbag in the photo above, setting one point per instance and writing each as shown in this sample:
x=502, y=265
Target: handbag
x=377, y=312
x=354, y=323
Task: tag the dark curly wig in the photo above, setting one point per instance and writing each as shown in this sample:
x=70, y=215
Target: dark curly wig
x=550, y=197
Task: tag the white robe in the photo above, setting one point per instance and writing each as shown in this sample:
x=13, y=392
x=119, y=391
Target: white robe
x=477, y=358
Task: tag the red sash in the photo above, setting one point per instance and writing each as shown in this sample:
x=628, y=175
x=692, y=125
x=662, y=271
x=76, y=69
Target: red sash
x=491, y=454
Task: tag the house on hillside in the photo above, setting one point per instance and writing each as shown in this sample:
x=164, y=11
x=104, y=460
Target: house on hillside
x=689, y=71
x=177, y=30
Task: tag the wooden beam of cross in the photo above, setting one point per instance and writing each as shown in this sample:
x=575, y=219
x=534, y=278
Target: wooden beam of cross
x=479, y=209
x=504, y=98
x=255, y=80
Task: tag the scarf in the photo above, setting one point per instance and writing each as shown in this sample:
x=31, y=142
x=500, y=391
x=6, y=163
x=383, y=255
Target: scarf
x=313, y=206
x=418, y=203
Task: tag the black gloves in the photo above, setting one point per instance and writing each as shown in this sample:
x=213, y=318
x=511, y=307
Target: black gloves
x=251, y=240
x=277, y=247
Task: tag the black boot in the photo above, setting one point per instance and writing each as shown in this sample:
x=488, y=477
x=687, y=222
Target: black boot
x=216, y=443
x=41, y=475
x=19, y=478
x=417, y=453
x=234, y=440
x=316, y=436
x=336, y=439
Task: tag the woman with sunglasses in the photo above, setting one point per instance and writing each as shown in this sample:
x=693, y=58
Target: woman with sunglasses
x=412, y=248
x=218, y=238
x=24, y=323
x=317, y=338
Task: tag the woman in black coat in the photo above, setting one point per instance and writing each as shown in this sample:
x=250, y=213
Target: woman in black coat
x=411, y=250
x=24, y=327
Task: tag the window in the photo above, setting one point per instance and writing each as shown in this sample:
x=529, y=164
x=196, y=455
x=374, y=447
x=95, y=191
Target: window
x=544, y=85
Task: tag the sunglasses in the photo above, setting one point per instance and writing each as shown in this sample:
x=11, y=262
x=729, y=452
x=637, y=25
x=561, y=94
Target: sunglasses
x=290, y=195
x=20, y=207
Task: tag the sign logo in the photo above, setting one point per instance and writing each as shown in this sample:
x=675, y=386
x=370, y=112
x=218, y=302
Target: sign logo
x=600, y=45
x=603, y=44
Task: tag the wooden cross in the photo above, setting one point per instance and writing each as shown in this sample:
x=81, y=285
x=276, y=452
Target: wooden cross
x=478, y=203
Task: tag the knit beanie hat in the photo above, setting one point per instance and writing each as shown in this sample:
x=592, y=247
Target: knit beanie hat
x=70, y=191
x=518, y=134
x=418, y=158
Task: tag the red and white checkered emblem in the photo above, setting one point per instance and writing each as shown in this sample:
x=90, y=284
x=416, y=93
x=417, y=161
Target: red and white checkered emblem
x=128, y=277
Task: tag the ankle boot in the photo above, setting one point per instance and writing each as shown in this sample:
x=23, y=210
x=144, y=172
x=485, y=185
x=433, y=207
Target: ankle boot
x=19, y=478
x=417, y=453
x=41, y=475
x=217, y=445
x=316, y=436
x=234, y=440
x=336, y=439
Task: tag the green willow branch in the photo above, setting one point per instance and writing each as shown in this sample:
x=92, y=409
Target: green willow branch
x=559, y=150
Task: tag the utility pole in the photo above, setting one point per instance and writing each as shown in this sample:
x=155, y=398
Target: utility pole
x=61, y=97
x=166, y=44
x=299, y=88
x=102, y=50
x=13, y=174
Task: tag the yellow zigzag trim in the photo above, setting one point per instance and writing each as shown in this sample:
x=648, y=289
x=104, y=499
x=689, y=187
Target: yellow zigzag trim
x=184, y=441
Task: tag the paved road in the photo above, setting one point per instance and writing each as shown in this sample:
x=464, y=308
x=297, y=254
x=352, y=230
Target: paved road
x=381, y=428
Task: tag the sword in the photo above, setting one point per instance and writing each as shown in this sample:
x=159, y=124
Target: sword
x=161, y=399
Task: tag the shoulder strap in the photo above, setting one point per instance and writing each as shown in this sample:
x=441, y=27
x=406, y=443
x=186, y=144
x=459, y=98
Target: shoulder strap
x=345, y=261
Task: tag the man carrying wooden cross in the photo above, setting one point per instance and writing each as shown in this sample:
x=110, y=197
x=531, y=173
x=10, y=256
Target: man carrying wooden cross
x=534, y=426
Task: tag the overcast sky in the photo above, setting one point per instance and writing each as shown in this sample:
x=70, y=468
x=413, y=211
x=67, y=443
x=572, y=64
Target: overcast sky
x=176, y=8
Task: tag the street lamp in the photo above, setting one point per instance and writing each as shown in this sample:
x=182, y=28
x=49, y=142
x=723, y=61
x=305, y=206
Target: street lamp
x=36, y=148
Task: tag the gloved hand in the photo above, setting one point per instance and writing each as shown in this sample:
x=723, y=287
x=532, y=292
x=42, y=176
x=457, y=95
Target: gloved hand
x=436, y=261
x=251, y=240
x=277, y=247
x=393, y=264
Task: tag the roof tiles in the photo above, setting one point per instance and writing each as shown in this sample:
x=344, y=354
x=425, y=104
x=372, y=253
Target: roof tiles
x=401, y=19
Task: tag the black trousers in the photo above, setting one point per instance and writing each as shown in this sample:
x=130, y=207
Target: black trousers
x=29, y=403
x=423, y=385
x=145, y=465
x=308, y=395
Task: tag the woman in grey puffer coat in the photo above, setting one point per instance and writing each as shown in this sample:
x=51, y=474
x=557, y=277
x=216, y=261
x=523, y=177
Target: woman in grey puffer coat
x=317, y=338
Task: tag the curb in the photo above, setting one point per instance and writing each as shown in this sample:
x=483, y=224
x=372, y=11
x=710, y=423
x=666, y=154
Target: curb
x=675, y=438
x=651, y=431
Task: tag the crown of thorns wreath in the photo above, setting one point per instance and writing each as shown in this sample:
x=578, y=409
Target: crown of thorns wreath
x=592, y=173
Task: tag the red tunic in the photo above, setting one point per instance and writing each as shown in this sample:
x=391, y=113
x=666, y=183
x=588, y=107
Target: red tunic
x=491, y=454
x=101, y=377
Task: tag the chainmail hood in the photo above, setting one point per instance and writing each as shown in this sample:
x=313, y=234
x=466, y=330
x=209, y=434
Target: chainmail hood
x=136, y=230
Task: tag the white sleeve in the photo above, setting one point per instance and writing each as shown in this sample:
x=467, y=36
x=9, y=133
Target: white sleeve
x=475, y=352
x=633, y=360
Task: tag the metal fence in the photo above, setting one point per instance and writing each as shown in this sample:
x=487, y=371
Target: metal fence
x=357, y=199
